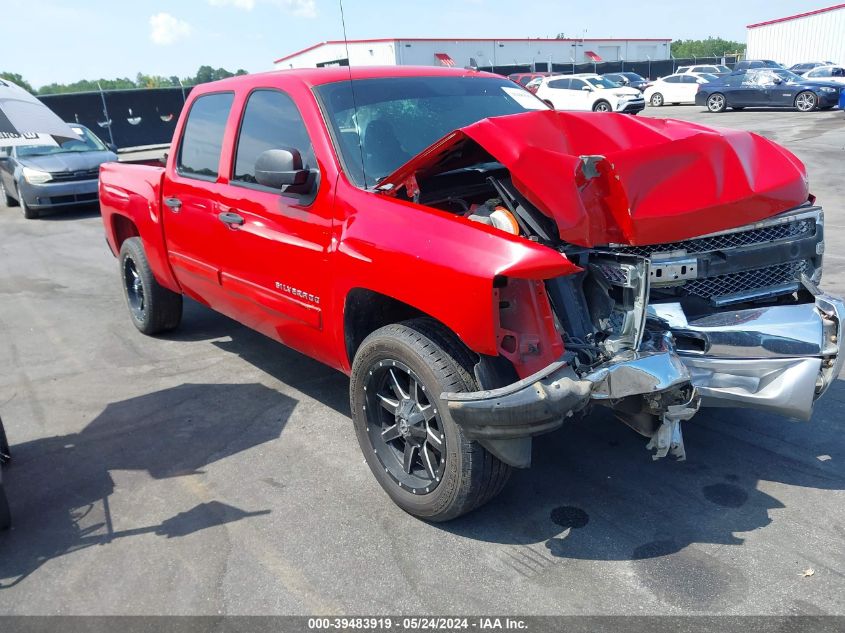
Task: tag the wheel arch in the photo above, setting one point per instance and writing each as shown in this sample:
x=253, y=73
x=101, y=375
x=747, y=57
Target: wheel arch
x=365, y=311
x=122, y=228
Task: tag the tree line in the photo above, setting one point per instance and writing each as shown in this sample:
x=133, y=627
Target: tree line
x=711, y=47
x=204, y=75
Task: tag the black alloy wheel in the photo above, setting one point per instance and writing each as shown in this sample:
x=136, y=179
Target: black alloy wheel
x=134, y=289
x=404, y=427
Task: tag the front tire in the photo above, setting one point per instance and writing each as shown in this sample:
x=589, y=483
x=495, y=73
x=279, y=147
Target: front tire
x=717, y=102
x=28, y=212
x=602, y=106
x=152, y=307
x=656, y=100
x=806, y=101
x=416, y=452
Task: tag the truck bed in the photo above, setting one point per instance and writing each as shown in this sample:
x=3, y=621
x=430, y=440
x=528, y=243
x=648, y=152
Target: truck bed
x=134, y=191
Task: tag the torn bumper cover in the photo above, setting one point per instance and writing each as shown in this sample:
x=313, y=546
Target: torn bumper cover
x=779, y=358
x=505, y=419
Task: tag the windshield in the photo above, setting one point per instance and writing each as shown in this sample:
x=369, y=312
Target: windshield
x=708, y=77
x=722, y=69
x=380, y=124
x=601, y=82
x=633, y=77
x=89, y=143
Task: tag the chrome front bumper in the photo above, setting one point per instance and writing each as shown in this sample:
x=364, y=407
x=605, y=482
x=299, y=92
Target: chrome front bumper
x=779, y=358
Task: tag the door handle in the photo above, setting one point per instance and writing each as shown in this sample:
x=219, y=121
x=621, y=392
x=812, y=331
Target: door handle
x=175, y=204
x=230, y=218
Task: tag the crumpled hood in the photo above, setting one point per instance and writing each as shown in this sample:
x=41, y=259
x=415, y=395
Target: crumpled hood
x=615, y=178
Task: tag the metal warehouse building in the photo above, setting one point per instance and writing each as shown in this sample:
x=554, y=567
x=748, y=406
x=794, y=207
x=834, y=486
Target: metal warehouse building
x=473, y=52
x=815, y=36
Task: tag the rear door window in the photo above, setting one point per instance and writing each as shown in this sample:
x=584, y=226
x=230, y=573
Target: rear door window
x=202, y=140
x=560, y=84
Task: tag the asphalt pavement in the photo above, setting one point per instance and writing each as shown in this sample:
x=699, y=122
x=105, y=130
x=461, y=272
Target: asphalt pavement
x=214, y=471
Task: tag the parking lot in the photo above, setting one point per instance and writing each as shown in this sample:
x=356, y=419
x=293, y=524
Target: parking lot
x=213, y=471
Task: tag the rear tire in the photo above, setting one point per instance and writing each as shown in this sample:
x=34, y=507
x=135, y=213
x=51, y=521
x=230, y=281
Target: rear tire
x=602, y=106
x=656, y=100
x=416, y=452
x=152, y=307
x=8, y=200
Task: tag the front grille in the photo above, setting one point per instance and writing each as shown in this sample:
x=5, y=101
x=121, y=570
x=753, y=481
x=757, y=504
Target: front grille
x=746, y=280
x=763, y=235
x=71, y=176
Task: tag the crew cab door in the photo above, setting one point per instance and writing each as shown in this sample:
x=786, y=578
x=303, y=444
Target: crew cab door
x=276, y=245
x=191, y=185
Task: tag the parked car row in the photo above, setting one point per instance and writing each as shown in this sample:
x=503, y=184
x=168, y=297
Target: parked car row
x=752, y=83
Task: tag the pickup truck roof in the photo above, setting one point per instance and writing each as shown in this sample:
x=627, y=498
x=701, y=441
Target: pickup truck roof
x=319, y=76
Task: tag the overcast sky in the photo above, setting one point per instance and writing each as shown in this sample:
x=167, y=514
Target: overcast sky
x=67, y=40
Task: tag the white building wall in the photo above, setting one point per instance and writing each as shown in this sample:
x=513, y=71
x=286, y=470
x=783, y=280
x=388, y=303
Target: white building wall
x=813, y=38
x=360, y=54
x=484, y=52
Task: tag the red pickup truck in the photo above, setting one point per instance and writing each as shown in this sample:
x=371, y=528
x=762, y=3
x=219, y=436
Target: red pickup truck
x=482, y=266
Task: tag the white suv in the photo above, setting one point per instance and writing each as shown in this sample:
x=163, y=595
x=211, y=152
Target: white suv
x=588, y=92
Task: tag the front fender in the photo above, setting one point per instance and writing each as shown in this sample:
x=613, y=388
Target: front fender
x=440, y=264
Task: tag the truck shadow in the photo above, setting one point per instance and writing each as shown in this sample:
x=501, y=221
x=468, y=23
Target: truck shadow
x=594, y=493
x=59, y=487
x=282, y=363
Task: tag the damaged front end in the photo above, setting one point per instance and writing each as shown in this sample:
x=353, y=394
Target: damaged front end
x=680, y=297
x=610, y=360
x=656, y=332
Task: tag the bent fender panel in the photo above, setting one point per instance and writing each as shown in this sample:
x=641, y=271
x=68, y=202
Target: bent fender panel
x=439, y=264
